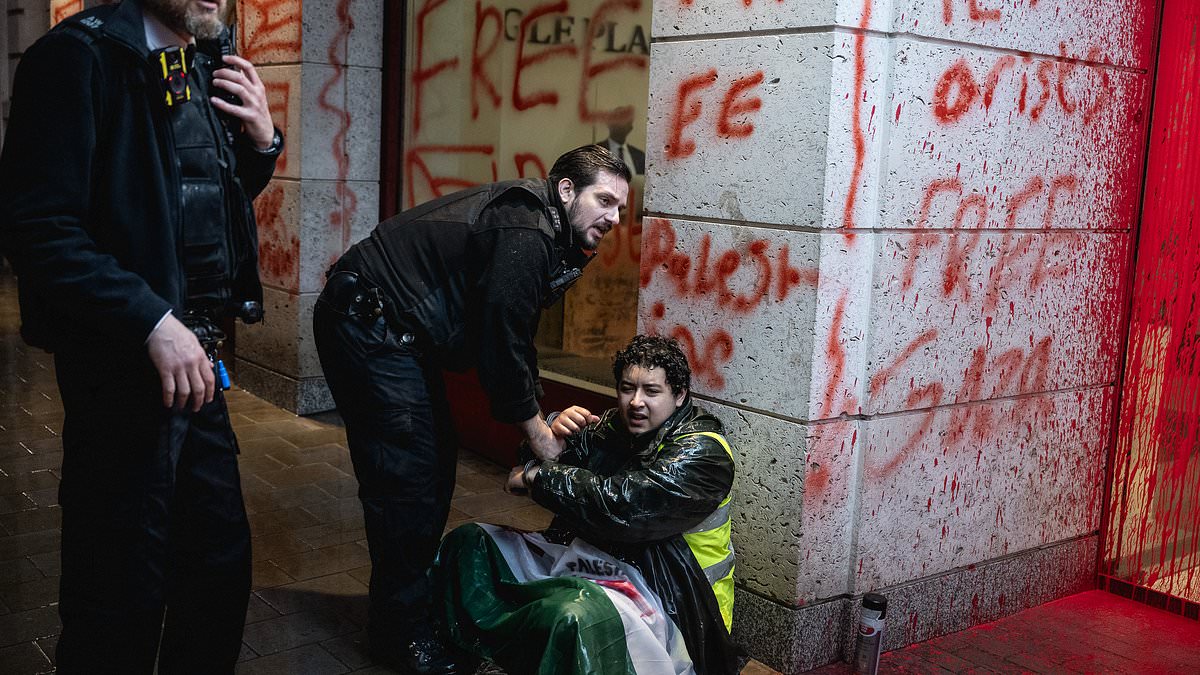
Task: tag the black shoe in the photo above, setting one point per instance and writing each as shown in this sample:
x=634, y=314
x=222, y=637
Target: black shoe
x=424, y=656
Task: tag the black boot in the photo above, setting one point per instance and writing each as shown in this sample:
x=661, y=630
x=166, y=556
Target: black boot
x=422, y=656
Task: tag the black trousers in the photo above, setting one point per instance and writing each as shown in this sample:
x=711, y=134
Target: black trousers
x=402, y=444
x=155, y=542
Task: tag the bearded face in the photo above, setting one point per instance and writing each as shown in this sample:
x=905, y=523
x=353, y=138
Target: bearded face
x=200, y=19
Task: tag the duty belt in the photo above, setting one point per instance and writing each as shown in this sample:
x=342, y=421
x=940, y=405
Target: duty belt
x=347, y=295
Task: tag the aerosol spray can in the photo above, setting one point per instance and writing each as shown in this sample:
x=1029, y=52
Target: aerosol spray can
x=870, y=634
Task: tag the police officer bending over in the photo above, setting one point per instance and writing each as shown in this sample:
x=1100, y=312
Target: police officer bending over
x=133, y=150
x=454, y=283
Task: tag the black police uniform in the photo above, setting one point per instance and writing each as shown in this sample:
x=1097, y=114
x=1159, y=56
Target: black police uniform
x=117, y=209
x=454, y=283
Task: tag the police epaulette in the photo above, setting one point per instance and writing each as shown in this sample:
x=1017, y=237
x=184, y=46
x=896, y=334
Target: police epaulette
x=84, y=26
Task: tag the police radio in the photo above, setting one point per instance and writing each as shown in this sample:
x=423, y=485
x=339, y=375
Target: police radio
x=217, y=50
x=565, y=274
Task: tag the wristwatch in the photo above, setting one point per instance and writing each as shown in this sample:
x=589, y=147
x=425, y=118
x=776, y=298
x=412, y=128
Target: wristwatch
x=276, y=146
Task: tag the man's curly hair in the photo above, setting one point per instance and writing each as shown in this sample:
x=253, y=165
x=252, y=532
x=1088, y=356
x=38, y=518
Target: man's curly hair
x=652, y=351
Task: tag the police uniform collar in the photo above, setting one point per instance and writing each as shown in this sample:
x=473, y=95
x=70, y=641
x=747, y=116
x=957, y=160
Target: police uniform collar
x=125, y=25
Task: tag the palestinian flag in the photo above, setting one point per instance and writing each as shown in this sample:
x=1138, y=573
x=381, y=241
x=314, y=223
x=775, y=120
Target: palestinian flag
x=536, y=607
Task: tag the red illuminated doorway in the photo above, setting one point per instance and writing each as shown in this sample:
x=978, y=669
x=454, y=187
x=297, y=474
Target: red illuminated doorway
x=1152, y=540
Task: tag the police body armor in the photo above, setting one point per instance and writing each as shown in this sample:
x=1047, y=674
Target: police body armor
x=417, y=259
x=203, y=161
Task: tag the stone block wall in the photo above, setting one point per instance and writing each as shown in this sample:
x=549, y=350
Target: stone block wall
x=321, y=62
x=894, y=236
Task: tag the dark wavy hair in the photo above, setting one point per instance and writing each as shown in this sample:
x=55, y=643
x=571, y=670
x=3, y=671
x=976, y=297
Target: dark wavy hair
x=653, y=351
x=584, y=164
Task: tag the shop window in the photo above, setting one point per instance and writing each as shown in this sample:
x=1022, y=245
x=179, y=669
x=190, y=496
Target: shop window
x=497, y=90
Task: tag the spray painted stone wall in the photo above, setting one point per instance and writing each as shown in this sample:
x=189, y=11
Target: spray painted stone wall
x=321, y=64
x=896, y=250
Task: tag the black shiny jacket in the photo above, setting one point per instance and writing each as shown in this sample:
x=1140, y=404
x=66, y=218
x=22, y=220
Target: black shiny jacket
x=611, y=486
x=634, y=497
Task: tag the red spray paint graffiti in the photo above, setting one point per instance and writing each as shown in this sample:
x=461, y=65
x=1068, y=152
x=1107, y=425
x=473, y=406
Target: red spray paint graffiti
x=957, y=90
x=270, y=31
x=687, y=111
x=737, y=281
x=707, y=275
x=278, y=250
x=421, y=73
x=974, y=11
x=347, y=200
x=733, y=118
x=278, y=94
x=858, y=138
x=415, y=160
x=545, y=97
x=540, y=41
x=479, y=74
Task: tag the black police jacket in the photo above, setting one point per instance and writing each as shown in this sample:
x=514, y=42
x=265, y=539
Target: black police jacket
x=634, y=497
x=469, y=273
x=90, y=205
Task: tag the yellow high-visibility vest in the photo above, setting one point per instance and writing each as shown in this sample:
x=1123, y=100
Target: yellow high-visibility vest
x=711, y=544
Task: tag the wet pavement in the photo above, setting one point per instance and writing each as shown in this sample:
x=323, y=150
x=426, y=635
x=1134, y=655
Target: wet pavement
x=308, y=606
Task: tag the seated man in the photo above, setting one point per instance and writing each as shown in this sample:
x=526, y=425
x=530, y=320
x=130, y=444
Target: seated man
x=635, y=574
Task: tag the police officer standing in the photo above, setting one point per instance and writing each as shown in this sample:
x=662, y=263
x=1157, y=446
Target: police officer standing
x=454, y=283
x=133, y=150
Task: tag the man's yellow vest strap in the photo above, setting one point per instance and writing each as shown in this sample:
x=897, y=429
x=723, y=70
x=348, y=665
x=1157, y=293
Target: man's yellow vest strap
x=711, y=544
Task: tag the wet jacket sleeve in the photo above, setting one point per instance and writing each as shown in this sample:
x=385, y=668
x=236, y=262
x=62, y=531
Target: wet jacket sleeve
x=46, y=171
x=511, y=288
x=687, y=480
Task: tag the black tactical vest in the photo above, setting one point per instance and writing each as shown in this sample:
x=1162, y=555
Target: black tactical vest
x=419, y=260
x=200, y=151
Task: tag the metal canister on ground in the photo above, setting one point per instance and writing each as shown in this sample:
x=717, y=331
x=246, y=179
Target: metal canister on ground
x=870, y=634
